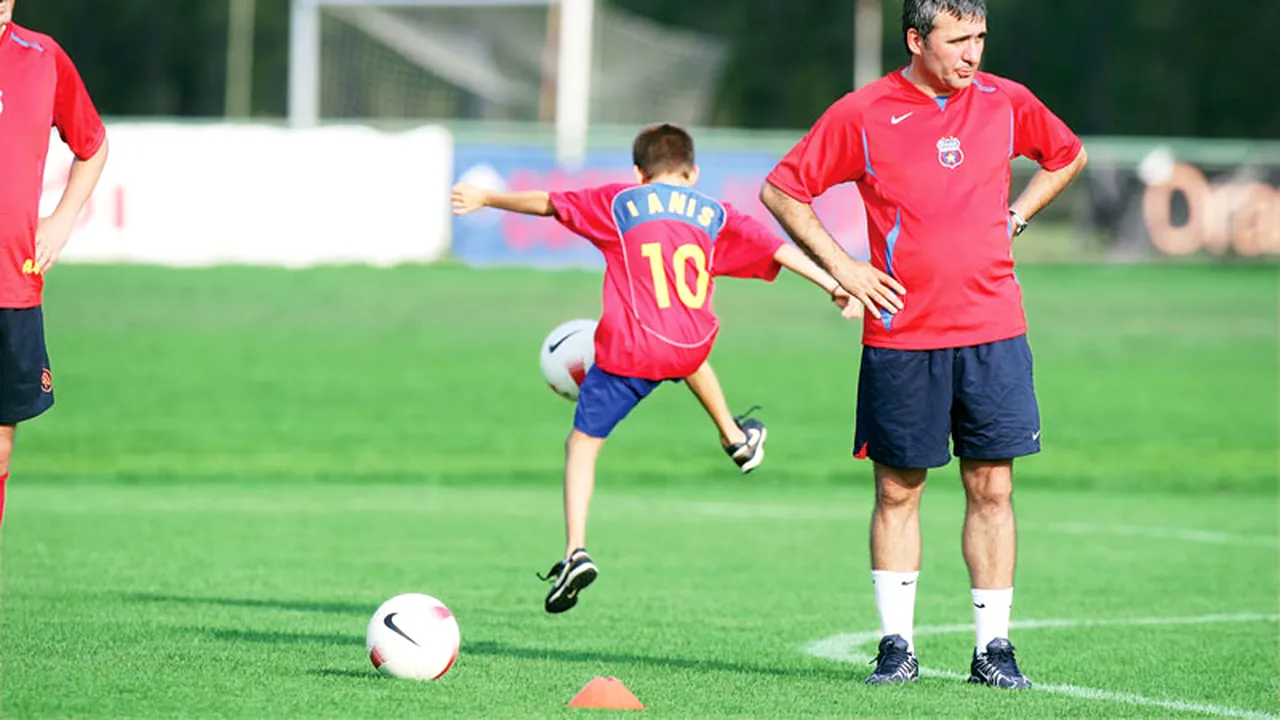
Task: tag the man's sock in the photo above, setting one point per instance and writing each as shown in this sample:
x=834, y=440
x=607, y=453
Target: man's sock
x=991, y=615
x=896, y=601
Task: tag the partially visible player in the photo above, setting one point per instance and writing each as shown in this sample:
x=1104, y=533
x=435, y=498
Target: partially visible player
x=663, y=242
x=39, y=89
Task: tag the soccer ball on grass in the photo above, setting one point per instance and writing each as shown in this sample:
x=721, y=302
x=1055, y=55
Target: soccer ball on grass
x=413, y=636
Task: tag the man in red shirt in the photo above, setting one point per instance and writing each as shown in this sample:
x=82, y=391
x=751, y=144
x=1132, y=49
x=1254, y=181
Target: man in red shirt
x=663, y=242
x=39, y=86
x=945, y=351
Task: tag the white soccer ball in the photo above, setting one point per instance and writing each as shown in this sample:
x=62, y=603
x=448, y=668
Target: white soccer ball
x=567, y=355
x=413, y=636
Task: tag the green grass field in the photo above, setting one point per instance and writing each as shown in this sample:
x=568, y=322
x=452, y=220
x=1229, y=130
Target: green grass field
x=245, y=462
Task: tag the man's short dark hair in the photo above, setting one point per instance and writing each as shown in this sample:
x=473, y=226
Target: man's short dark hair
x=661, y=149
x=921, y=14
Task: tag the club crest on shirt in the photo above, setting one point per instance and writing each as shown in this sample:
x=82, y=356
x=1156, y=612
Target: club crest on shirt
x=949, y=153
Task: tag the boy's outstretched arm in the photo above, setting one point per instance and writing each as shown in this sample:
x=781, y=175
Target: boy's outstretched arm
x=791, y=257
x=469, y=198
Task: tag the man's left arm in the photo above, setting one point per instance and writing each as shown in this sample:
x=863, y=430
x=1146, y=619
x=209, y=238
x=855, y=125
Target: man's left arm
x=1043, y=137
x=1046, y=185
x=82, y=130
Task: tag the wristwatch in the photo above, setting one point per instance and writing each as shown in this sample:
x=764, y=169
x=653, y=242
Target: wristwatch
x=1019, y=224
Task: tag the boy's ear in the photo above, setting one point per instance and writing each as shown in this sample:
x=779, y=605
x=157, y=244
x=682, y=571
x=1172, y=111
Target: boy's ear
x=640, y=178
x=693, y=175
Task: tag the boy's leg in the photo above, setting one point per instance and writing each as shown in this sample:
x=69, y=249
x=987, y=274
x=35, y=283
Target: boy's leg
x=581, y=451
x=742, y=439
x=576, y=571
x=603, y=401
x=706, y=387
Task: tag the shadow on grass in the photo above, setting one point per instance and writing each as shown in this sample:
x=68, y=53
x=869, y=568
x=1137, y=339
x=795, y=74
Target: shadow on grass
x=338, y=608
x=799, y=667
x=271, y=637
x=369, y=675
x=611, y=659
x=491, y=648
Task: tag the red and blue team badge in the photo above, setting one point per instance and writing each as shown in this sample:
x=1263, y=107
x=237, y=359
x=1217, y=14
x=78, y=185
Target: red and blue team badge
x=949, y=152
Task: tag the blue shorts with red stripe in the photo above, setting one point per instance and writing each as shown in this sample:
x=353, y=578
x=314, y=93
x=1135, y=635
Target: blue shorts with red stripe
x=982, y=398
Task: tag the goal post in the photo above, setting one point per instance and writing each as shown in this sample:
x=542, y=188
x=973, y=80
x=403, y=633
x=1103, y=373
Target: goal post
x=571, y=64
x=573, y=72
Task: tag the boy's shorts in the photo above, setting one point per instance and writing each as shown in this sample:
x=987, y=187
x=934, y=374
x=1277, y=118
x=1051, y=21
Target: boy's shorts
x=982, y=398
x=604, y=399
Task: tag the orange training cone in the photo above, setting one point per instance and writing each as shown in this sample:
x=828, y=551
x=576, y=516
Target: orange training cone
x=606, y=693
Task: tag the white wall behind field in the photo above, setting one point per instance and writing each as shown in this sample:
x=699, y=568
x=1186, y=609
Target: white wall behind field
x=207, y=194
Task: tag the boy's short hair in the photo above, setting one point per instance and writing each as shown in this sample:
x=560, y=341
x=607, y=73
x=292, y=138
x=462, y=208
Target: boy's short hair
x=663, y=148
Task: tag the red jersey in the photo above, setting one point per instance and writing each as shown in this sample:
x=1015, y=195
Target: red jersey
x=934, y=176
x=662, y=245
x=39, y=88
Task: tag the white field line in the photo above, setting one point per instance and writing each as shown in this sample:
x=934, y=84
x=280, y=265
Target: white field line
x=855, y=648
x=1210, y=537
x=432, y=501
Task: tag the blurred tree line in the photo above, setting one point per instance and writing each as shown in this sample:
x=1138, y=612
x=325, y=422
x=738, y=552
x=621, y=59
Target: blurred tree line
x=1203, y=68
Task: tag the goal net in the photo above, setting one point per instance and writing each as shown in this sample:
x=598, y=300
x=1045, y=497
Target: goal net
x=497, y=60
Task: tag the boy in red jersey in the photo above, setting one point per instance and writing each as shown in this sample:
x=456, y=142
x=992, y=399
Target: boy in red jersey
x=662, y=241
x=39, y=86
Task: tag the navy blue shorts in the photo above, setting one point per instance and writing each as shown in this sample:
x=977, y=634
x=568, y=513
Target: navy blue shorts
x=604, y=399
x=982, y=398
x=26, y=386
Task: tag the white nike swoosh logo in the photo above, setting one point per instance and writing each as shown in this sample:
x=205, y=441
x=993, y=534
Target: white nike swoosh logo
x=1035, y=435
x=899, y=118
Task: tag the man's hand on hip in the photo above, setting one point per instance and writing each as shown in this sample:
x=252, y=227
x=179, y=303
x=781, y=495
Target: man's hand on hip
x=874, y=289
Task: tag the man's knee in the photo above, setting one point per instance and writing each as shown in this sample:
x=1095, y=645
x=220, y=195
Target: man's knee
x=989, y=485
x=898, y=488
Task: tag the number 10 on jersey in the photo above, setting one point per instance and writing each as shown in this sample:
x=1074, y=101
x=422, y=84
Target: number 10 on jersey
x=691, y=297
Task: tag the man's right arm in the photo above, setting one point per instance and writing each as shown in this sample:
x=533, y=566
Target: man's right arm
x=804, y=227
x=832, y=152
x=874, y=289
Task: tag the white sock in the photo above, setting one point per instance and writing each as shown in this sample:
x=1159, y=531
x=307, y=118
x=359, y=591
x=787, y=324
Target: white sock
x=991, y=615
x=896, y=601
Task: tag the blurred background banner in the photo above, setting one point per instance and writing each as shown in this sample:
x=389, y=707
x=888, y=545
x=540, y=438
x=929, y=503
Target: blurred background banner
x=196, y=194
x=1184, y=138
x=490, y=237
x=1185, y=199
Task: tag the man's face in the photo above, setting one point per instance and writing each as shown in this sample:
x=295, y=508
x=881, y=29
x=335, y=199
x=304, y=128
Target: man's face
x=952, y=52
x=6, y=11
